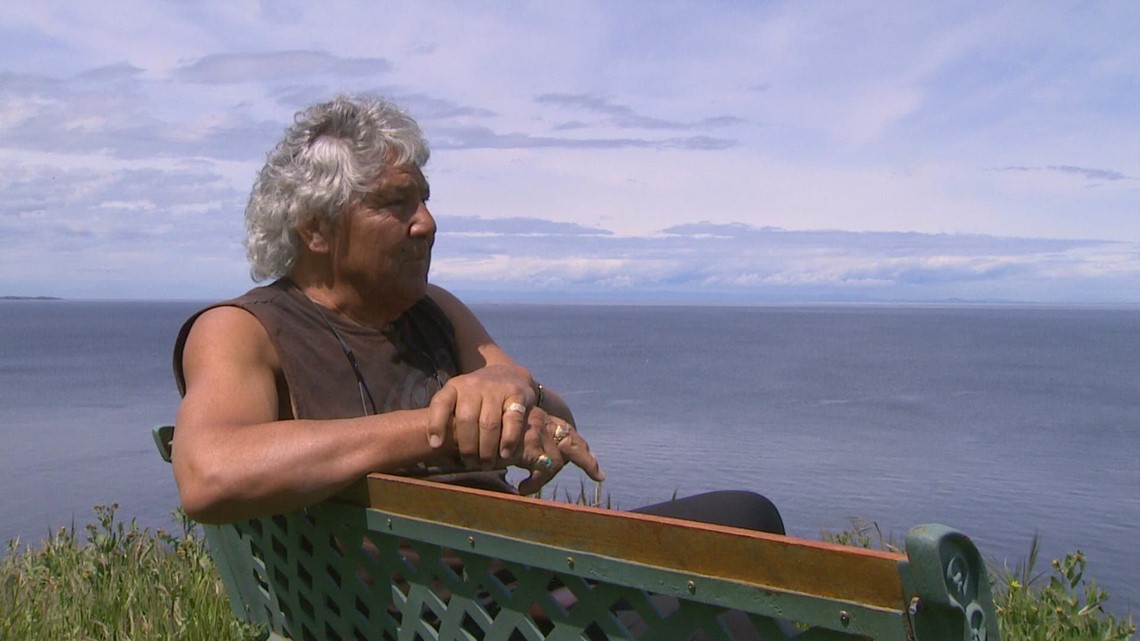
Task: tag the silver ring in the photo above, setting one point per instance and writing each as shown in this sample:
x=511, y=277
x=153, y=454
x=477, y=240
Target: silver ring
x=544, y=462
x=516, y=407
x=560, y=433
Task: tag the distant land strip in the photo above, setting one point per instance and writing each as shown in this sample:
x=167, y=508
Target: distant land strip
x=29, y=298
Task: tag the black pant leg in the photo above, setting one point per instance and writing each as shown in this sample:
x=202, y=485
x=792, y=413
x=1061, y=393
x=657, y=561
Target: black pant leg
x=735, y=508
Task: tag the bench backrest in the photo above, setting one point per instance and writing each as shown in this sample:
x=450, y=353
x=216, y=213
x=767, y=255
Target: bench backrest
x=397, y=558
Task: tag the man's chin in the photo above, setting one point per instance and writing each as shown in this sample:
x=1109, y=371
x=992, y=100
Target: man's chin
x=418, y=290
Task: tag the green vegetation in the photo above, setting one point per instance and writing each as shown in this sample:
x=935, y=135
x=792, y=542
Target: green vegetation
x=1031, y=605
x=129, y=583
x=123, y=583
x=1062, y=606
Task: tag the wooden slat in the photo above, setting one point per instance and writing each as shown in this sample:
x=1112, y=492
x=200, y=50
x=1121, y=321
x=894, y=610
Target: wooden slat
x=869, y=577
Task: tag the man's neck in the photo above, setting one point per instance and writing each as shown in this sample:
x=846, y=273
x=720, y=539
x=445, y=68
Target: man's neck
x=346, y=302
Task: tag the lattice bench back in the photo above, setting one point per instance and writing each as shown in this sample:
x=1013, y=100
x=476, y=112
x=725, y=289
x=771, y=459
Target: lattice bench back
x=432, y=562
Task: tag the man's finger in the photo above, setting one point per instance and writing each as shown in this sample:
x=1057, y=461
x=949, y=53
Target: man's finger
x=533, y=483
x=440, y=411
x=542, y=470
x=467, y=416
x=513, y=424
x=491, y=416
x=575, y=449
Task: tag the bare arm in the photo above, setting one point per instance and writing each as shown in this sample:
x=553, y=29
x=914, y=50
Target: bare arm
x=233, y=459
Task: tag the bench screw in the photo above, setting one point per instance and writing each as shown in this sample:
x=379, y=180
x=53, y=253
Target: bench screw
x=692, y=587
x=915, y=606
x=389, y=524
x=844, y=617
x=570, y=562
x=471, y=541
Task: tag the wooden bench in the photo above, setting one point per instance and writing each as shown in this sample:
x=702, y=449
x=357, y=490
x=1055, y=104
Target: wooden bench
x=402, y=559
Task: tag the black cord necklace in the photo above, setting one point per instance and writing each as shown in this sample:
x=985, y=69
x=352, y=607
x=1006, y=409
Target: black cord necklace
x=364, y=391
x=366, y=399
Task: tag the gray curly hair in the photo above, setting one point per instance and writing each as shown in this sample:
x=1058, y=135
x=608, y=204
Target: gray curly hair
x=329, y=156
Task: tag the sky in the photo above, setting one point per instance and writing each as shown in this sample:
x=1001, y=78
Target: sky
x=611, y=151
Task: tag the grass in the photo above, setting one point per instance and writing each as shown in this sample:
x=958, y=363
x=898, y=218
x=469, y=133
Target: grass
x=123, y=582
x=120, y=582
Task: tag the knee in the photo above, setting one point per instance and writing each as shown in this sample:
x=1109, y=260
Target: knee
x=734, y=508
x=751, y=510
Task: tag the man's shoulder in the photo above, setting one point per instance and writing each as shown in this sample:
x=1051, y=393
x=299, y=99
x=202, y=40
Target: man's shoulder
x=223, y=317
x=231, y=308
x=226, y=323
x=275, y=291
x=254, y=302
x=222, y=328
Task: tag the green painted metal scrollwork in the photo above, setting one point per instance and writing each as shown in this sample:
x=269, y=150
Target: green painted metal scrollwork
x=325, y=575
x=952, y=598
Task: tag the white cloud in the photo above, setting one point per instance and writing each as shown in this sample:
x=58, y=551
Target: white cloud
x=277, y=66
x=747, y=263
x=608, y=122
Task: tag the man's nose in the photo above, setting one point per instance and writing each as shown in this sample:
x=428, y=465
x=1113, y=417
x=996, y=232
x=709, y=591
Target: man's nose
x=423, y=223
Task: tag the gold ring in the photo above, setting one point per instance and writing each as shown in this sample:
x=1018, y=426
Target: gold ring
x=516, y=407
x=560, y=433
x=544, y=462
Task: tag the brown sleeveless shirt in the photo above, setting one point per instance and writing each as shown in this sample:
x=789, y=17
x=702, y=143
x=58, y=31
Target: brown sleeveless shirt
x=402, y=365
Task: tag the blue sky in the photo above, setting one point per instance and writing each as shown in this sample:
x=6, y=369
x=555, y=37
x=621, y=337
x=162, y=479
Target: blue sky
x=598, y=151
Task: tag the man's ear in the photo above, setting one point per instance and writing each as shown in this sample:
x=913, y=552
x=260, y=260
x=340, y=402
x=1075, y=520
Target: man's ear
x=315, y=236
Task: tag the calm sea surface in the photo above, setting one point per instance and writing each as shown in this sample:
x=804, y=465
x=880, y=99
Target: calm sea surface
x=999, y=421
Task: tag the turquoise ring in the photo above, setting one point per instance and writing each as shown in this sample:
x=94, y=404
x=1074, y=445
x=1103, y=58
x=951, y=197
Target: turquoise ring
x=544, y=462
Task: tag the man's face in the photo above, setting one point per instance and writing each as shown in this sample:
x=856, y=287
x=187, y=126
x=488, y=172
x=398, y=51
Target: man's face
x=383, y=244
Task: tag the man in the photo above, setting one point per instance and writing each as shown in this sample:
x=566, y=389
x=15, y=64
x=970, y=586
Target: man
x=349, y=362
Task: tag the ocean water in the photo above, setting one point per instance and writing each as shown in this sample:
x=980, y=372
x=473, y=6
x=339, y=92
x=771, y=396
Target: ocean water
x=1000, y=421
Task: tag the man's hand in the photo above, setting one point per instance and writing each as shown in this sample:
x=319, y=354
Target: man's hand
x=483, y=413
x=549, y=444
x=531, y=439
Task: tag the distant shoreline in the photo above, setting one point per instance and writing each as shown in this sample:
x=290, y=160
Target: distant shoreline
x=29, y=298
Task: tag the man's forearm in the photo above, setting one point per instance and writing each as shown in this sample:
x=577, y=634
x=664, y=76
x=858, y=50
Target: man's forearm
x=231, y=473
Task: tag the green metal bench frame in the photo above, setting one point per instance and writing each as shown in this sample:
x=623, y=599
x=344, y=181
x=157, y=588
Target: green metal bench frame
x=402, y=559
